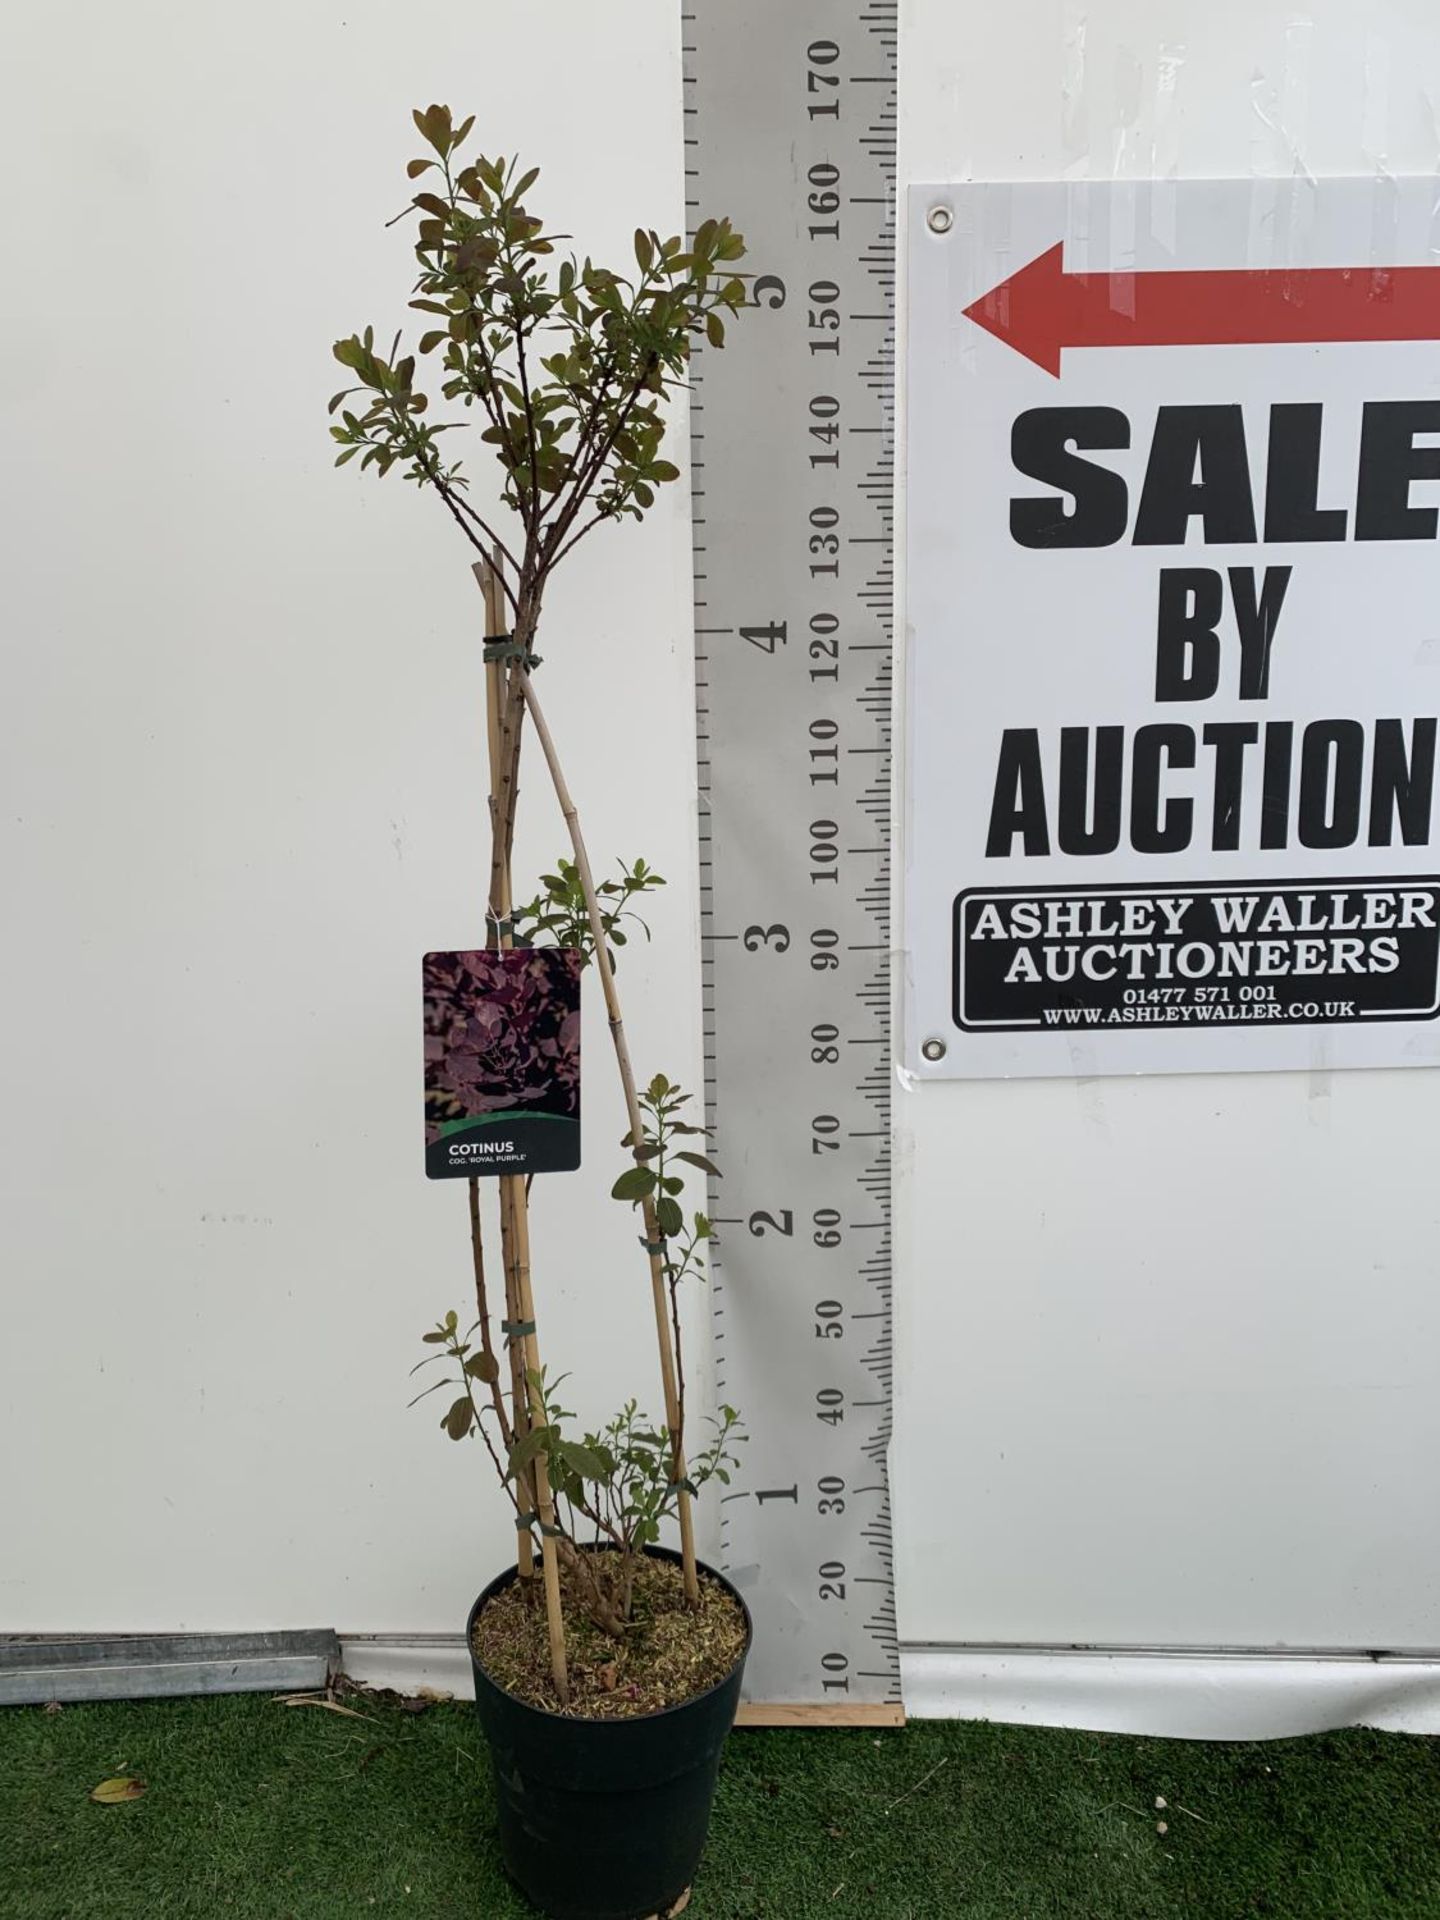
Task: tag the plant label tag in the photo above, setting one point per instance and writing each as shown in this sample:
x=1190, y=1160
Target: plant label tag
x=502, y=1062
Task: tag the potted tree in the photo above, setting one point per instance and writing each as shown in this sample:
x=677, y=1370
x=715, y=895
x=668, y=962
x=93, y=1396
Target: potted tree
x=607, y=1666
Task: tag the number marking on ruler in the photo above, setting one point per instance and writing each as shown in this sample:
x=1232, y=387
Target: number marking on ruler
x=790, y=131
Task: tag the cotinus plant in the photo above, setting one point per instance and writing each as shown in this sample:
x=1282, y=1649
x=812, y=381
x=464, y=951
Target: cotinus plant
x=566, y=370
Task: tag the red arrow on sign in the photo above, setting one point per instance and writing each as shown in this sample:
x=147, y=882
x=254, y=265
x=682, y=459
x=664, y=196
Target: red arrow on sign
x=1042, y=310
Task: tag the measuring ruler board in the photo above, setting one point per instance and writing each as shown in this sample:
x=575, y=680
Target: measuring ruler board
x=790, y=132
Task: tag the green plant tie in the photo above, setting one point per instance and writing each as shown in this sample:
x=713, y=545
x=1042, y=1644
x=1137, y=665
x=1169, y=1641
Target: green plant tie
x=552, y=1533
x=516, y=1329
x=524, y=1521
x=652, y=1246
x=504, y=647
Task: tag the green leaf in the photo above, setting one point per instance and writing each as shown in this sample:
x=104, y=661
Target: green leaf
x=435, y=1385
x=699, y=1160
x=644, y=252
x=416, y=167
x=527, y=1446
x=434, y=125
x=114, y=1792
x=588, y=1462
x=714, y=329
x=634, y=1184
x=459, y=1420
x=667, y=1212
x=663, y=470
x=483, y=1366
x=431, y=1339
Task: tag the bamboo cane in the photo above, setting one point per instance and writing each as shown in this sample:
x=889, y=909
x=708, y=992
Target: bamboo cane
x=524, y=1347
x=632, y=1107
x=519, y=1389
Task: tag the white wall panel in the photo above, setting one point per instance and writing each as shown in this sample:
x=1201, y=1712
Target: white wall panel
x=242, y=769
x=1170, y=1346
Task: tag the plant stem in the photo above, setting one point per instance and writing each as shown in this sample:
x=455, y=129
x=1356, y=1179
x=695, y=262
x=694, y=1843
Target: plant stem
x=498, y=909
x=526, y=1398
x=529, y=1345
x=482, y=1308
x=653, y=1241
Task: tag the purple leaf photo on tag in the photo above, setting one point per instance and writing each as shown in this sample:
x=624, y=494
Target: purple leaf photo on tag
x=502, y=1061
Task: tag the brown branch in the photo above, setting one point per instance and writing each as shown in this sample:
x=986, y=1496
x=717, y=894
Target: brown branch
x=532, y=522
x=601, y=1609
x=459, y=509
x=507, y=1483
x=554, y=559
x=576, y=538
x=596, y=520
x=586, y=420
x=589, y=420
x=472, y=312
x=519, y=1394
x=581, y=487
x=482, y=1305
x=497, y=545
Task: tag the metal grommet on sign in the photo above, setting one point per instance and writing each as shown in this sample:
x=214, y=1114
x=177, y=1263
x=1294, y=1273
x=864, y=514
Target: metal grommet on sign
x=933, y=1049
x=940, y=219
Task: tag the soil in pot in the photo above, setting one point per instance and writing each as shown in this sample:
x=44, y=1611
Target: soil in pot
x=672, y=1652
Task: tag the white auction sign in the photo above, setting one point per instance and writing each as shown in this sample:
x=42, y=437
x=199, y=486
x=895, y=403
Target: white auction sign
x=1174, y=627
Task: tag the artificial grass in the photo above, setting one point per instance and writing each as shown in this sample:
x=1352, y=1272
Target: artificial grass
x=254, y=1809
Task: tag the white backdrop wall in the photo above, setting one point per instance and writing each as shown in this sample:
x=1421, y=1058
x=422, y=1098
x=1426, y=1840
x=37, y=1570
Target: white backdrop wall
x=242, y=770
x=1170, y=1346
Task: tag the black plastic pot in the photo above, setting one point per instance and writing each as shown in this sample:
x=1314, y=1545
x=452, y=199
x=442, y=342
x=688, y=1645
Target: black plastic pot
x=604, y=1819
